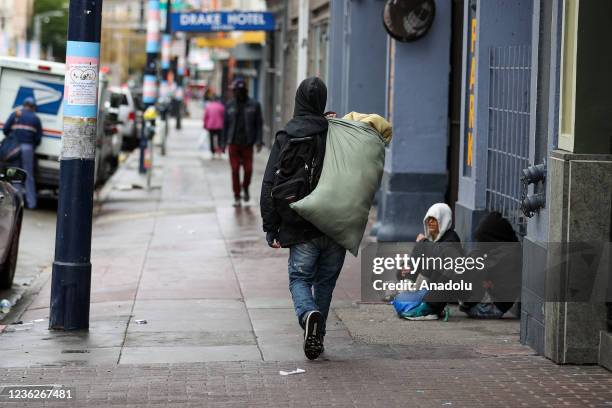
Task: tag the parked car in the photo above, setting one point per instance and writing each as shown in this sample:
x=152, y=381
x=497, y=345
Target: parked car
x=11, y=215
x=123, y=104
x=109, y=140
x=44, y=81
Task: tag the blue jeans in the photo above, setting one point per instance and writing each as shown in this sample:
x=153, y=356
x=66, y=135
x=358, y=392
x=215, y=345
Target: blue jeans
x=27, y=163
x=314, y=267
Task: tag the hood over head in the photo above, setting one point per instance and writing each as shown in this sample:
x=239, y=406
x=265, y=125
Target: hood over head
x=310, y=98
x=495, y=228
x=443, y=214
x=309, y=111
x=241, y=91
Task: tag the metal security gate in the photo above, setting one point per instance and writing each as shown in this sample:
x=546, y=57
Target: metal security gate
x=508, y=139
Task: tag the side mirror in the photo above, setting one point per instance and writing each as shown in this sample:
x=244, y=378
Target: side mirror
x=15, y=175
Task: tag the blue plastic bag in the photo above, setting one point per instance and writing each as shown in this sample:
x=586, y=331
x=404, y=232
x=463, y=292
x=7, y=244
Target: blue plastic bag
x=406, y=301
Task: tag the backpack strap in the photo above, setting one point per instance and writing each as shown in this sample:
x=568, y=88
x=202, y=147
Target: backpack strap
x=282, y=137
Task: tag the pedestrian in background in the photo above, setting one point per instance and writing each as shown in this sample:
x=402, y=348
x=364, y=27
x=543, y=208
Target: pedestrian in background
x=243, y=129
x=315, y=260
x=214, y=115
x=24, y=125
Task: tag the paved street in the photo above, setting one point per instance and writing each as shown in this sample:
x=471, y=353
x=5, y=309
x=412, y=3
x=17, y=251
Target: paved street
x=191, y=308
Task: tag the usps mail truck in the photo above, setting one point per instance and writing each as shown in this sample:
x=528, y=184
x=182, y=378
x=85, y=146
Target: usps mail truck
x=44, y=81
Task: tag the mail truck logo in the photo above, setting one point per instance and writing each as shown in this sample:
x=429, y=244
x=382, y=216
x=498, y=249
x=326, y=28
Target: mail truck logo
x=48, y=96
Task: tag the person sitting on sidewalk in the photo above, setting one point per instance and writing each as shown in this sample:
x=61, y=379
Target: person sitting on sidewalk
x=315, y=260
x=439, y=240
x=501, y=279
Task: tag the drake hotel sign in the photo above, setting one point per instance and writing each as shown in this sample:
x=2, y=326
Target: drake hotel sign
x=222, y=21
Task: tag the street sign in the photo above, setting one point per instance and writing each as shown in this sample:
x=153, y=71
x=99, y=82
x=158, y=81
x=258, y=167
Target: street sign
x=223, y=21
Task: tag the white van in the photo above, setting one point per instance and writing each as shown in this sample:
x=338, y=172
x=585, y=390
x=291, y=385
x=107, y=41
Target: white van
x=44, y=81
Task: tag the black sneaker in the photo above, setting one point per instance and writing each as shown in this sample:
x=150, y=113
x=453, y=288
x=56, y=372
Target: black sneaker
x=245, y=195
x=313, y=347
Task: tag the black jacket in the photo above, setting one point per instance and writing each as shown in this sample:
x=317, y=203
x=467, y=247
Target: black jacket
x=308, y=120
x=253, y=122
x=450, y=248
x=497, y=241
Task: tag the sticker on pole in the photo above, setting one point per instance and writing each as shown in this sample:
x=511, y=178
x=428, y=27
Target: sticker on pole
x=79, y=139
x=82, y=81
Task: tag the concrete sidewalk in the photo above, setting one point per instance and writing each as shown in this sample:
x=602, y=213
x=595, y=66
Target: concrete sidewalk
x=220, y=324
x=183, y=259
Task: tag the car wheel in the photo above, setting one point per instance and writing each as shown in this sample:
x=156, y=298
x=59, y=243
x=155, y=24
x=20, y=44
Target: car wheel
x=7, y=270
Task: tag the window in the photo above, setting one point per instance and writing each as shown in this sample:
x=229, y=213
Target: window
x=118, y=99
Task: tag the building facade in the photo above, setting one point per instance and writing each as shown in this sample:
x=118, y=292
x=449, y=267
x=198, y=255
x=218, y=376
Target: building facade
x=529, y=98
x=15, y=17
x=123, y=38
x=493, y=88
x=282, y=59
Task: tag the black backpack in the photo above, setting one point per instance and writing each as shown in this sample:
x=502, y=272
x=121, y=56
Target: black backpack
x=298, y=172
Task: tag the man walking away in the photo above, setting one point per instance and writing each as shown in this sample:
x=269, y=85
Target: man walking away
x=315, y=260
x=243, y=129
x=25, y=126
x=213, y=122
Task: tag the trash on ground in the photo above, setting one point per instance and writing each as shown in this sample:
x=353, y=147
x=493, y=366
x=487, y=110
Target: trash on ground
x=18, y=322
x=296, y=371
x=127, y=187
x=5, y=306
x=38, y=320
x=140, y=321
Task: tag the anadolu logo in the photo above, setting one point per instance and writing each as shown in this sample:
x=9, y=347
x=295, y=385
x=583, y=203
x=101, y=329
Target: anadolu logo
x=48, y=96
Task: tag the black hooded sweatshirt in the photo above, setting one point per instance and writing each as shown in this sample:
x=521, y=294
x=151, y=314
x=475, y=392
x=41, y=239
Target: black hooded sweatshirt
x=504, y=261
x=308, y=120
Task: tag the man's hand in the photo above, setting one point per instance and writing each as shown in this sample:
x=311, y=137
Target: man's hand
x=272, y=238
x=420, y=238
x=259, y=147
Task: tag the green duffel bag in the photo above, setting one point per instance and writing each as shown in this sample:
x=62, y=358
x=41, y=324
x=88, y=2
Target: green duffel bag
x=352, y=170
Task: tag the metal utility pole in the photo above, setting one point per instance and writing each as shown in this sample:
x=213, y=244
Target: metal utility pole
x=180, y=92
x=71, y=278
x=149, y=87
x=166, y=44
x=303, y=22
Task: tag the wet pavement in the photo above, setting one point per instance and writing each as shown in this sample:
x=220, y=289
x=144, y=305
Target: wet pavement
x=35, y=256
x=191, y=307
